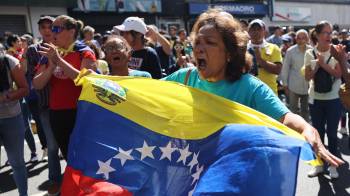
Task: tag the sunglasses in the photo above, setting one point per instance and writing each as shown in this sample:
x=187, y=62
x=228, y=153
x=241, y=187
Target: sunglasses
x=178, y=47
x=57, y=29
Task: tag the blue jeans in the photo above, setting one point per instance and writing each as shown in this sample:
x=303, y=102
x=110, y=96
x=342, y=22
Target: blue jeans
x=52, y=148
x=12, y=137
x=325, y=116
x=35, y=111
x=28, y=129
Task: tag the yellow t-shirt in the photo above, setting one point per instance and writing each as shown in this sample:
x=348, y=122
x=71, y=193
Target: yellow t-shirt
x=271, y=53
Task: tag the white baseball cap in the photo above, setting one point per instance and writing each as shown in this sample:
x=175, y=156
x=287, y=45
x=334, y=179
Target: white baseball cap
x=133, y=24
x=115, y=30
x=257, y=22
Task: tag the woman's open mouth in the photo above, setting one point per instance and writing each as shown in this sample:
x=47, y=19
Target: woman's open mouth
x=201, y=64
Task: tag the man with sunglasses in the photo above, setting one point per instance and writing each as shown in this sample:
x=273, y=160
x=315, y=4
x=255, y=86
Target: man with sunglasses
x=34, y=60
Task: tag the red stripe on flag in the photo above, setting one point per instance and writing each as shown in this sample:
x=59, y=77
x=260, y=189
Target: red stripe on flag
x=75, y=183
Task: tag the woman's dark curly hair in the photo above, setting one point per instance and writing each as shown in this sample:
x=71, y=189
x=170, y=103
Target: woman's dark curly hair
x=234, y=38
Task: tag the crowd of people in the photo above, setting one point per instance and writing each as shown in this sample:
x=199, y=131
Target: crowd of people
x=230, y=58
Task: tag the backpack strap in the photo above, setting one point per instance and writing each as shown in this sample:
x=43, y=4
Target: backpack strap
x=329, y=59
x=7, y=70
x=315, y=56
x=187, y=76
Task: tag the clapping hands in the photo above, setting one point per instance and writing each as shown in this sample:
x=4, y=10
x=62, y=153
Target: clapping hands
x=50, y=51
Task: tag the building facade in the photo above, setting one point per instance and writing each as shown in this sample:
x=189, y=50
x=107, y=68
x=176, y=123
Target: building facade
x=21, y=16
x=306, y=13
x=245, y=9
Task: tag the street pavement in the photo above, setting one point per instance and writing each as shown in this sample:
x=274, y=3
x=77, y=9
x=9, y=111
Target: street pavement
x=318, y=186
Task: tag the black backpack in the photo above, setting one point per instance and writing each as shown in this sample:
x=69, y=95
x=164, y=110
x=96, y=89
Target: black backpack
x=322, y=79
x=4, y=73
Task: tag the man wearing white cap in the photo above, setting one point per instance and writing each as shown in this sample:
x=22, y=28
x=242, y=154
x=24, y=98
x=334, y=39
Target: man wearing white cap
x=143, y=58
x=267, y=57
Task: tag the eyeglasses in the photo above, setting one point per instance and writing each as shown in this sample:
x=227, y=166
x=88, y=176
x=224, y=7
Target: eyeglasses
x=113, y=48
x=57, y=29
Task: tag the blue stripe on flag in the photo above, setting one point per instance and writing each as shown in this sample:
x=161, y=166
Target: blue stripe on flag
x=238, y=159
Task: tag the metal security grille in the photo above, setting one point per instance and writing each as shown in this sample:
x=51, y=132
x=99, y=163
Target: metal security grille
x=14, y=23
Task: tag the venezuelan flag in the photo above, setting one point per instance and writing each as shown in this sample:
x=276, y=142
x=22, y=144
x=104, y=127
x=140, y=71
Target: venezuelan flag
x=138, y=136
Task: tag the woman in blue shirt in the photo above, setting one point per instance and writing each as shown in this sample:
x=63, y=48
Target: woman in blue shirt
x=220, y=51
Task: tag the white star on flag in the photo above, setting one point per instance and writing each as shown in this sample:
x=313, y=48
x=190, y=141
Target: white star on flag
x=123, y=155
x=197, y=174
x=167, y=151
x=146, y=151
x=184, y=153
x=105, y=168
x=194, y=161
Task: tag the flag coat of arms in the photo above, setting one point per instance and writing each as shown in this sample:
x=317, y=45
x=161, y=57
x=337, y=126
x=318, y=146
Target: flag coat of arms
x=138, y=136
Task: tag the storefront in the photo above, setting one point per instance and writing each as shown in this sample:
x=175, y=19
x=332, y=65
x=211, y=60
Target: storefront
x=103, y=15
x=239, y=10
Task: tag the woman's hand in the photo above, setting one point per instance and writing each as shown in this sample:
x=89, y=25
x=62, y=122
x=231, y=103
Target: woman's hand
x=339, y=53
x=311, y=135
x=336, y=71
x=320, y=60
x=151, y=33
x=51, y=52
x=181, y=61
x=309, y=73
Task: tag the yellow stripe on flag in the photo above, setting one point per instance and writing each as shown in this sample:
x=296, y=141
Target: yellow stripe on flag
x=172, y=109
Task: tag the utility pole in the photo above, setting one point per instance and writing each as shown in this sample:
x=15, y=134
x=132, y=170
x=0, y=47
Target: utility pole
x=271, y=4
